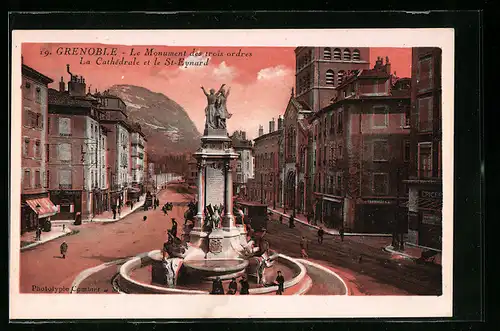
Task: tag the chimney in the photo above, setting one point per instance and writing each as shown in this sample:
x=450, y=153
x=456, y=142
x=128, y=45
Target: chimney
x=272, y=125
x=76, y=85
x=261, y=130
x=387, y=65
x=62, y=85
x=280, y=122
x=244, y=135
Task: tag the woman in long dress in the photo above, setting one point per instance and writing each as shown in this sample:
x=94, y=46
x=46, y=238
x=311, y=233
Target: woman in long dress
x=221, y=107
x=210, y=109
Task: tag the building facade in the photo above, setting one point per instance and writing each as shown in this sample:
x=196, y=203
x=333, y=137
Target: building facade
x=425, y=177
x=137, y=158
x=119, y=168
x=36, y=206
x=243, y=166
x=73, y=150
x=263, y=187
x=360, y=152
x=319, y=70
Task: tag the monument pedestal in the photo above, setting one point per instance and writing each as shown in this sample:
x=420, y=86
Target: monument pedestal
x=215, y=189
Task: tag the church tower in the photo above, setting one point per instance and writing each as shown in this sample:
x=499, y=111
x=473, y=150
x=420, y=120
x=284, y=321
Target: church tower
x=319, y=70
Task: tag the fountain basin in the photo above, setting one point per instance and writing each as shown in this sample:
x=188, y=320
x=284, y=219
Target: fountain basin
x=209, y=269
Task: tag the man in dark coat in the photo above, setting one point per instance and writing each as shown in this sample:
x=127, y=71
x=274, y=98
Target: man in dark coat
x=341, y=232
x=64, y=249
x=113, y=209
x=174, y=227
x=321, y=233
x=291, y=222
x=217, y=287
x=244, y=286
x=281, y=283
x=233, y=287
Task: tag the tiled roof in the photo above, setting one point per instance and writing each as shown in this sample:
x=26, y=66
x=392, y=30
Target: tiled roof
x=64, y=99
x=28, y=71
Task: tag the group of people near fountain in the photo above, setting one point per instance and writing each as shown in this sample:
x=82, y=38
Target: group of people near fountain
x=218, y=288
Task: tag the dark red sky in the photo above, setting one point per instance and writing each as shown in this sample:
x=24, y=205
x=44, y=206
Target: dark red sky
x=260, y=83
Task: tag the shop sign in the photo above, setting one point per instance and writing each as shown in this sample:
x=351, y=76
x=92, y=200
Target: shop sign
x=431, y=194
x=378, y=202
x=431, y=219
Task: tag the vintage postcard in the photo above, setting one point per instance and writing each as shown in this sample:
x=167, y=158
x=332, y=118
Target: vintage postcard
x=232, y=174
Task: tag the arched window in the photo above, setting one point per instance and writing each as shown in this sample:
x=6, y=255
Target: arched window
x=308, y=81
x=347, y=54
x=355, y=55
x=340, y=77
x=330, y=77
x=327, y=53
x=336, y=54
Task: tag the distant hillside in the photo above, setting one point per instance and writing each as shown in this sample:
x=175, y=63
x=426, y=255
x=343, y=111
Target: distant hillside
x=165, y=123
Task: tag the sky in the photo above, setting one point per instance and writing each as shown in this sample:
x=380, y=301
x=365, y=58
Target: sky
x=260, y=78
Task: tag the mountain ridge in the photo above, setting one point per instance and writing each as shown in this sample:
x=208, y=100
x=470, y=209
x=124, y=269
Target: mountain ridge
x=166, y=125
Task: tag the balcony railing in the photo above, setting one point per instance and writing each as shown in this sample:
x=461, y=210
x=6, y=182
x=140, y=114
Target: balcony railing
x=425, y=126
x=425, y=173
x=65, y=186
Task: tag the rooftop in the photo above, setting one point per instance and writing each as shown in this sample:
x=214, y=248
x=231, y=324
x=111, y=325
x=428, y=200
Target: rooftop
x=64, y=99
x=32, y=73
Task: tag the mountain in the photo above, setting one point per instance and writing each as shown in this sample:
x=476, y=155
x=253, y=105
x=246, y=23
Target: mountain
x=165, y=123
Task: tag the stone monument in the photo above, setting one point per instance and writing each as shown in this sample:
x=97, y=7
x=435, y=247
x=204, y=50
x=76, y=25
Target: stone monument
x=215, y=230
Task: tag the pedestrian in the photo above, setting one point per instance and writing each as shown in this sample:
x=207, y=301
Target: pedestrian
x=321, y=233
x=119, y=210
x=144, y=218
x=341, y=232
x=174, y=227
x=64, y=227
x=113, y=209
x=303, y=247
x=131, y=204
x=281, y=219
x=281, y=283
x=217, y=287
x=244, y=286
x=233, y=286
x=291, y=221
x=64, y=249
x=154, y=202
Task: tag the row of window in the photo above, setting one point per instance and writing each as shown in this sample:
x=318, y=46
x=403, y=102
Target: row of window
x=32, y=148
x=31, y=179
x=263, y=161
x=32, y=120
x=337, y=54
x=28, y=92
x=328, y=54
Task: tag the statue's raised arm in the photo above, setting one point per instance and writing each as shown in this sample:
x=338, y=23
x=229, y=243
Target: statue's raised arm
x=204, y=91
x=221, y=88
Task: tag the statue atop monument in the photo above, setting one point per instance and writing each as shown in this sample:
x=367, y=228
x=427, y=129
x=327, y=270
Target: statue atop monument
x=216, y=111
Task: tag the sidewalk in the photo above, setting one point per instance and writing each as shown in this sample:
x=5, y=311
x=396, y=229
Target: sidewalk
x=28, y=238
x=303, y=219
x=107, y=216
x=411, y=252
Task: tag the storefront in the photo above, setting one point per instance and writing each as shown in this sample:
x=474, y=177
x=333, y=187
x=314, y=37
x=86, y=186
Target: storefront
x=333, y=212
x=100, y=202
x=68, y=203
x=376, y=215
x=35, y=211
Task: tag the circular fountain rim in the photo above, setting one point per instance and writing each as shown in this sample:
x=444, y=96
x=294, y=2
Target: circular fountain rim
x=240, y=266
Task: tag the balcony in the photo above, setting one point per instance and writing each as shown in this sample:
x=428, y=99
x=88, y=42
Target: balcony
x=425, y=126
x=65, y=186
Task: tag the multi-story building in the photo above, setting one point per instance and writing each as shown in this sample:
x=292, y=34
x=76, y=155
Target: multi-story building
x=263, y=187
x=35, y=203
x=119, y=170
x=243, y=166
x=137, y=157
x=425, y=177
x=295, y=147
x=319, y=70
x=75, y=148
x=359, y=151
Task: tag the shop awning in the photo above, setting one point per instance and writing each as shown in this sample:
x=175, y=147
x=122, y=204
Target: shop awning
x=43, y=207
x=427, y=204
x=430, y=204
